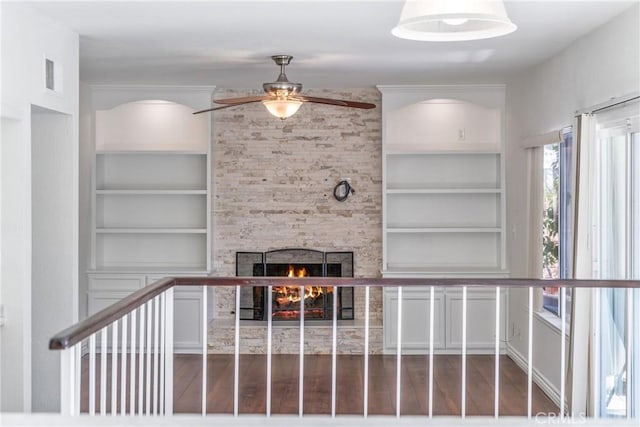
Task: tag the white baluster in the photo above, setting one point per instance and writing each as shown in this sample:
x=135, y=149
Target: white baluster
x=141, y=361
x=133, y=357
x=463, y=399
x=205, y=340
x=334, y=349
x=156, y=355
x=496, y=374
x=301, y=356
x=103, y=371
x=432, y=306
x=92, y=374
x=399, y=354
x=168, y=349
x=162, y=344
x=147, y=400
x=123, y=367
x=236, y=367
x=365, y=403
x=530, y=357
x=77, y=386
x=595, y=353
x=631, y=367
x=269, y=345
x=563, y=349
x=114, y=368
x=68, y=384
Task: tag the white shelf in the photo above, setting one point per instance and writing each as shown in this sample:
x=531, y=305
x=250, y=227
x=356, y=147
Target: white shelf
x=169, y=271
x=142, y=192
x=396, y=229
x=451, y=148
x=151, y=230
x=145, y=152
x=407, y=189
x=423, y=271
x=152, y=209
x=151, y=250
x=151, y=172
x=443, y=171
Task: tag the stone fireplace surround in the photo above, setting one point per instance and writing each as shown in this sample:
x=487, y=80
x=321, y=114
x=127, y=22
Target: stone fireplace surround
x=294, y=262
x=272, y=186
x=286, y=333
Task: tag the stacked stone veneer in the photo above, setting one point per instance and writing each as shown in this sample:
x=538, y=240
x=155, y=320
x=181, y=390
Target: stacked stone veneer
x=273, y=186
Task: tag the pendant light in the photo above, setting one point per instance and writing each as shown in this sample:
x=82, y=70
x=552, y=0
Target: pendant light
x=453, y=20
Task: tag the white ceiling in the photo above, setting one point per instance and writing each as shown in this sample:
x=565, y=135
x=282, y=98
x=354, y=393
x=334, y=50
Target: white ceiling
x=334, y=43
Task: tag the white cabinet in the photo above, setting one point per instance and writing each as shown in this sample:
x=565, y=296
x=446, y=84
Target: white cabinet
x=481, y=314
x=151, y=201
x=443, y=209
x=415, y=311
x=187, y=314
x=106, y=289
x=447, y=338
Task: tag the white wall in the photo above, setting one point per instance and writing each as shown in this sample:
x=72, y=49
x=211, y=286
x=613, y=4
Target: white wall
x=601, y=65
x=27, y=38
x=86, y=154
x=52, y=248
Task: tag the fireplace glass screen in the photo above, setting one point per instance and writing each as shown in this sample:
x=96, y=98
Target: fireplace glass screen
x=286, y=301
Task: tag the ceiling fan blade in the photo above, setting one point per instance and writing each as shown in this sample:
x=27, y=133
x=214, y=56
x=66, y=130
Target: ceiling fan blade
x=339, y=102
x=241, y=100
x=222, y=107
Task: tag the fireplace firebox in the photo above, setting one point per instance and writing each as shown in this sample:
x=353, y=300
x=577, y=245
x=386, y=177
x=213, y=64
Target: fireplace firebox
x=286, y=301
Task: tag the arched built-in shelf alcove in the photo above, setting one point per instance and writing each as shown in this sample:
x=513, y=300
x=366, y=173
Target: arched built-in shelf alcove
x=443, y=206
x=150, y=197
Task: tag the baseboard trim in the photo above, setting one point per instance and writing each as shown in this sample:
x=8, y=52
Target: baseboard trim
x=541, y=381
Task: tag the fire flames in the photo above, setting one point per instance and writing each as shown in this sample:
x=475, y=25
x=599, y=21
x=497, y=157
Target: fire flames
x=287, y=298
x=291, y=294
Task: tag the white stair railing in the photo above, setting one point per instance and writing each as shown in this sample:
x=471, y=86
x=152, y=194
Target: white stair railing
x=135, y=336
x=129, y=346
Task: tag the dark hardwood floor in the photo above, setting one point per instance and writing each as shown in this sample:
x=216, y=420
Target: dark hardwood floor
x=349, y=397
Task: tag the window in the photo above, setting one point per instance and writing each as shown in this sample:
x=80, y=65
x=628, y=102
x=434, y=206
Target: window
x=618, y=158
x=557, y=219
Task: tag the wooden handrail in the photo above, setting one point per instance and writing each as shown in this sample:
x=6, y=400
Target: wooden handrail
x=81, y=330
x=408, y=282
x=78, y=332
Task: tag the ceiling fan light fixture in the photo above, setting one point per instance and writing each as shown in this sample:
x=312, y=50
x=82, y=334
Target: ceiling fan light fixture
x=282, y=108
x=282, y=99
x=453, y=20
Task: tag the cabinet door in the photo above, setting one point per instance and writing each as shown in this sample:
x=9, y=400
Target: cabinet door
x=187, y=317
x=481, y=314
x=415, y=320
x=115, y=282
x=100, y=300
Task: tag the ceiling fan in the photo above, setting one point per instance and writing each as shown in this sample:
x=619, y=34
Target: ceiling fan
x=283, y=97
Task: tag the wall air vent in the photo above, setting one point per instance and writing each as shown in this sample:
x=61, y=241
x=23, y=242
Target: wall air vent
x=49, y=69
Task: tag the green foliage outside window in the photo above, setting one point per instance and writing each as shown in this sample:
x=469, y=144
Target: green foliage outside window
x=550, y=237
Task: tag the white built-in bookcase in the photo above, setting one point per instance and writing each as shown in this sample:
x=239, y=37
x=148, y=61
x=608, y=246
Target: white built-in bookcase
x=151, y=210
x=443, y=210
x=151, y=182
x=443, y=174
x=151, y=204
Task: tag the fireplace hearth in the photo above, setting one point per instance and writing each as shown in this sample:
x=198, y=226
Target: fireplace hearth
x=286, y=301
